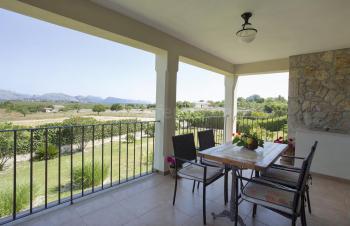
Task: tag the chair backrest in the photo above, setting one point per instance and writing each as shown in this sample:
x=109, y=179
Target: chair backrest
x=305, y=172
x=303, y=177
x=184, y=147
x=206, y=139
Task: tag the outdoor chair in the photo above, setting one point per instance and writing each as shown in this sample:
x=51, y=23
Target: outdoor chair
x=186, y=166
x=207, y=140
x=288, y=175
x=281, y=199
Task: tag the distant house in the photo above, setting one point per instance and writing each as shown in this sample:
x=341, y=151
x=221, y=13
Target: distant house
x=201, y=104
x=48, y=110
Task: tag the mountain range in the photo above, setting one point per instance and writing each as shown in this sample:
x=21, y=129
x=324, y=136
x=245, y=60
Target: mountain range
x=6, y=95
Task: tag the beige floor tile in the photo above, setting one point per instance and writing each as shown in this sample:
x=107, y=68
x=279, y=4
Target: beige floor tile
x=149, y=202
x=164, y=215
x=93, y=204
x=112, y=215
x=149, y=199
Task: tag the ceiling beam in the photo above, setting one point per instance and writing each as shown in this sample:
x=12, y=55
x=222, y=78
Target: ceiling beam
x=263, y=67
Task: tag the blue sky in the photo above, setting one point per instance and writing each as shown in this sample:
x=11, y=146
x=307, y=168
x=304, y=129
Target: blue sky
x=38, y=57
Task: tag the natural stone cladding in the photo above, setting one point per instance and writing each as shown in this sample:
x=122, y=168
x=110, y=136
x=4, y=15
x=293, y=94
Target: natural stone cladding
x=319, y=91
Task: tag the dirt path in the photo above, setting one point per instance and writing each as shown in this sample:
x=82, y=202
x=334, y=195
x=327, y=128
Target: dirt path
x=38, y=122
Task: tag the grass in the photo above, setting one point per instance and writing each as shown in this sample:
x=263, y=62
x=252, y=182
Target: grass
x=6, y=196
x=90, y=176
x=132, y=163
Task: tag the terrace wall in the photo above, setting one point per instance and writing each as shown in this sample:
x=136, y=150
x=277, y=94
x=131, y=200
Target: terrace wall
x=319, y=92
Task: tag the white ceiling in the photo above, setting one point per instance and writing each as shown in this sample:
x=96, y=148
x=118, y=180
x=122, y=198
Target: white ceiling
x=285, y=27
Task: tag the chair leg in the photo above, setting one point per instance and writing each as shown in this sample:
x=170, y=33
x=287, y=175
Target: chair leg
x=175, y=190
x=303, y=217
x=226, y=187
x=204, y=206
x=302, y=212
x=257, y=174
x=194, y=185
x=236, y=202
x=254, y=209
x=294, y=221
x=308, y=199
x=198, y=185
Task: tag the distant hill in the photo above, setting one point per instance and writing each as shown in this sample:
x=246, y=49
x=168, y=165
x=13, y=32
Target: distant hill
x=6, y=95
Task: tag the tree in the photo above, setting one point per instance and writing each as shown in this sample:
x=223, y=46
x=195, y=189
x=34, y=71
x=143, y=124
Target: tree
x=77, y=107
x=116, y=107
x=184, y=104
x=151, y=106
x=7, y=143
x=23, y=110
x=5, y=147
x=128, y=108
x=255, y=98
x=76, y=134
x=99, y=108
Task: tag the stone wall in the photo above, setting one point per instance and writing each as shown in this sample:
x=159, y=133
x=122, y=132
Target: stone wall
x=319, y=91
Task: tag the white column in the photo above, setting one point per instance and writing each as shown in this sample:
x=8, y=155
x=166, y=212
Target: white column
x=230, y=106
x=166, y=68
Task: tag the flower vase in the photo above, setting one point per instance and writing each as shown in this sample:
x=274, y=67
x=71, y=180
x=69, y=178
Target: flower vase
x=289, y=152
x=172, y=172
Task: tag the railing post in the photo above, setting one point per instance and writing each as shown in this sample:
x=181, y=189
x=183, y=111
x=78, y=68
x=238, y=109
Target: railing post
x=166, y=68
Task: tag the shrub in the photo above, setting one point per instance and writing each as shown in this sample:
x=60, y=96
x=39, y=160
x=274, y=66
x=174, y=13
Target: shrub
x=275, y=124
x=130, y=138
x=150, y=130
x=77, y=175
x=243, y=127
x=52, y=152
x=22, y=200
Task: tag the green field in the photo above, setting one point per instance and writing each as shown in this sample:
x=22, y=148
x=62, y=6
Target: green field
x=132, y=162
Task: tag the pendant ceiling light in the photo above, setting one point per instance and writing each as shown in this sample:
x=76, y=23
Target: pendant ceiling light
x=248, y=32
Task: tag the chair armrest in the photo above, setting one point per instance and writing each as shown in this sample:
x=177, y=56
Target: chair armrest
x=293, y=157
x=269, y=184
x=286, y=168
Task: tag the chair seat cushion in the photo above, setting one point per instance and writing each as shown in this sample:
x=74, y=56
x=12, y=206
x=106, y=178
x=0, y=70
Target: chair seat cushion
x=281, y=176
x=208, y=162
x=195, y=172
x=269, y=197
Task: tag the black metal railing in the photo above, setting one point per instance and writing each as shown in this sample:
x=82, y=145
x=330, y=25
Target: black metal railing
x=45, y=167
x=267, y=128
x=195, y=124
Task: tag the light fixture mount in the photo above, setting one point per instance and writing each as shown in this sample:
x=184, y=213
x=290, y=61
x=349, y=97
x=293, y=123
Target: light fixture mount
x=248, y=32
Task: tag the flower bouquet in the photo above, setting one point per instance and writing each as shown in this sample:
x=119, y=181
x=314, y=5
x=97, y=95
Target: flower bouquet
x=289, y=152
x=247, y=140
x=171, y=161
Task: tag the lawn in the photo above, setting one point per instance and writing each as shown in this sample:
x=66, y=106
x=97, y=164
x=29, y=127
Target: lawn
x=132, y=163
x=124, y=161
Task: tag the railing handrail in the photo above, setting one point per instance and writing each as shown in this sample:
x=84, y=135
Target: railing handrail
x=263, y=117
x=76, y=126
x=200, y=117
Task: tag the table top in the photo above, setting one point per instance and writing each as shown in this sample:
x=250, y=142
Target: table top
x=240, y=157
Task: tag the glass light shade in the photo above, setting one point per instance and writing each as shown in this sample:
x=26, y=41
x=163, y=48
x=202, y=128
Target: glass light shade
x=246, y=34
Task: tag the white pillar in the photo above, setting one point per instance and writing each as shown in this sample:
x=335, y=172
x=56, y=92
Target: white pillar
x=230, y=106
x=166, y=68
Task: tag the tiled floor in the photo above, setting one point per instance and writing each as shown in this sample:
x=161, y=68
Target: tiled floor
x=149, y=202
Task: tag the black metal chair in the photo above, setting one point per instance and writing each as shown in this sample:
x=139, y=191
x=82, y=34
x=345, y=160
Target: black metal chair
x=276, y=197
x=186, y=166
x=288, y=175
x=206, y=140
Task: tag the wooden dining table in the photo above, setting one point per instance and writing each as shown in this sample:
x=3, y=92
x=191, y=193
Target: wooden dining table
x=237, y=158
